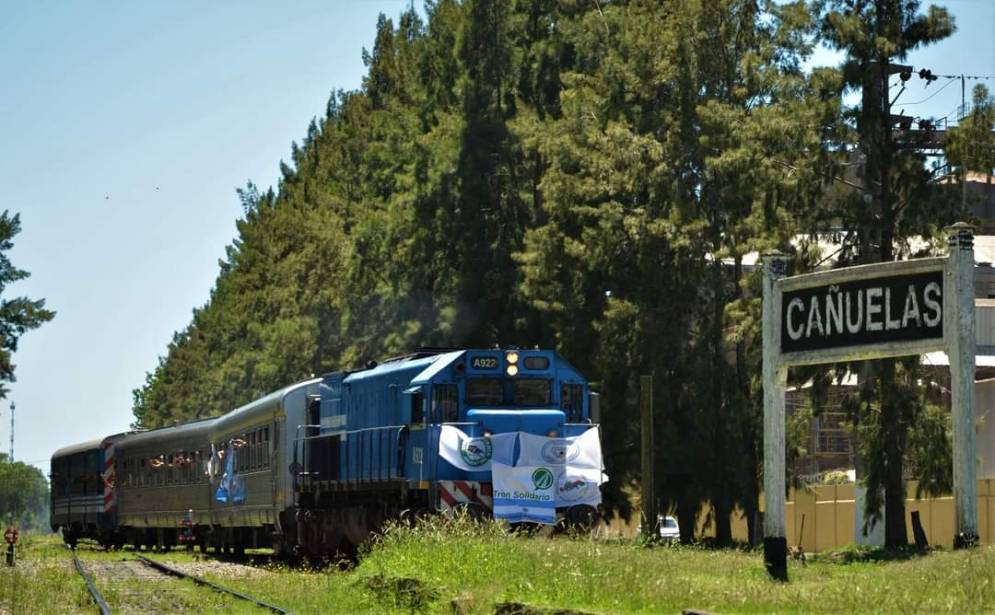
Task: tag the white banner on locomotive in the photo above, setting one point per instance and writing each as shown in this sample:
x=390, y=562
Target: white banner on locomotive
x=547, y=473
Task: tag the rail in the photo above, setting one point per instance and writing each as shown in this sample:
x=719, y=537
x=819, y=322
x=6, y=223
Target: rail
x=201, y=581
x=94, y=592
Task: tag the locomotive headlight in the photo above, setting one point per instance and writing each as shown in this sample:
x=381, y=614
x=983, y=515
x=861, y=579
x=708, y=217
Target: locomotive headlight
x=511, y=370
x=511, y=357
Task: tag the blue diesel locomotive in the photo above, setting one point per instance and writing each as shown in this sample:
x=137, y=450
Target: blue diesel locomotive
x=314, y=467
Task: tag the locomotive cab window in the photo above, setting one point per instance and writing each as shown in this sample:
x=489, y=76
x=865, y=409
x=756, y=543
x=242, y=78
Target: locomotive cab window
x=532, y=392
x=445, y=403
x=572, y=401
x=417, y=408
x=484, y=392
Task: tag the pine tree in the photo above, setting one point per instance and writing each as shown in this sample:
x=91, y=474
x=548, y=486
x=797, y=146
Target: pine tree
x=20, y=314
x=893, y=206
x=667, y=161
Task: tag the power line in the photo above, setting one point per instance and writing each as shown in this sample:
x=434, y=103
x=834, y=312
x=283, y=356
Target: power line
x=953, y=112
x=918, y=102
x=967, y=76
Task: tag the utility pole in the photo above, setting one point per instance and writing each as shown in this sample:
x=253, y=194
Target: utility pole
x=650, y=524
x=963, y=180
x=12, y=432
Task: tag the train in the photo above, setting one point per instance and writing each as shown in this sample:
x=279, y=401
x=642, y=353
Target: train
x=315, y=467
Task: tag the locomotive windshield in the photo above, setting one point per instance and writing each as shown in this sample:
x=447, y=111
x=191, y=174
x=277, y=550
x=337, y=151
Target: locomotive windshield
x=524, y=392
x=531, y=392
x=484, y=392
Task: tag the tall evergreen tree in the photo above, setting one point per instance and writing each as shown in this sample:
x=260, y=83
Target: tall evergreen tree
x=20, y=314
x=668, y=164
x=892, y=207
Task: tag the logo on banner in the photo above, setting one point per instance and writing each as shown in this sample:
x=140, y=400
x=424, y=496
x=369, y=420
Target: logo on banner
x=476, y=451
x=559, y=451
x=542, y=479
x=573, y=489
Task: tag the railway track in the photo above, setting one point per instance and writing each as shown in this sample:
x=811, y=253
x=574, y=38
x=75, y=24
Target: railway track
x=202, y=581
x=94, y=592
x=161, y=568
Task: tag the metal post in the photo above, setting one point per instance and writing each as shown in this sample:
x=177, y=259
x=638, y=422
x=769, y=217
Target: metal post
x=774, y=380
x=650, y=530
x=959, y=324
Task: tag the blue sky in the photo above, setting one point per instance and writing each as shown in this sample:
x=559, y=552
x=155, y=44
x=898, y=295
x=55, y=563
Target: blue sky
x=125, y=129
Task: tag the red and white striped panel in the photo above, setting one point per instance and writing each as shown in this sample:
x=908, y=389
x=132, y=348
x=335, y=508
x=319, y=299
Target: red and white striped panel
x=110, y=478
x=455, y=492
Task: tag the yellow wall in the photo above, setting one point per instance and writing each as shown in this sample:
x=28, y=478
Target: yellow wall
x=829, y=517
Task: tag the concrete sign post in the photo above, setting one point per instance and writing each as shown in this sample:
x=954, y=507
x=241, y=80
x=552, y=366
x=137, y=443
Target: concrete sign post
x=775, y=378
x=869, y=312
x=961, y=348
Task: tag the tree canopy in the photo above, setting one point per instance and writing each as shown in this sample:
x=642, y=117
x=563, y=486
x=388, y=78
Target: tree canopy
x=587, y=176
x=20, y=314
x=23, y=495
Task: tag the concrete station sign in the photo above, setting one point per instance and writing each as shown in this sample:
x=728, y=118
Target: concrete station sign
x=870, y=312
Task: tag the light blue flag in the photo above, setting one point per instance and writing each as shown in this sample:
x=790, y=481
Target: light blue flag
x=232, y=487
x=524, y=493
x=222, y=494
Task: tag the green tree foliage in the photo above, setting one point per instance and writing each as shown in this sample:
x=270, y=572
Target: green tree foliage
x=23, y=495
x=584, y=175
x=971, y=144
x=671, y=162
x=896, y=203
x=20, y=314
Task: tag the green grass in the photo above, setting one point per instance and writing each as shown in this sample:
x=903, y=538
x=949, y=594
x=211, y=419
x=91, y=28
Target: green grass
x=426, y=569
x=40, y=581
x=45, y=581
